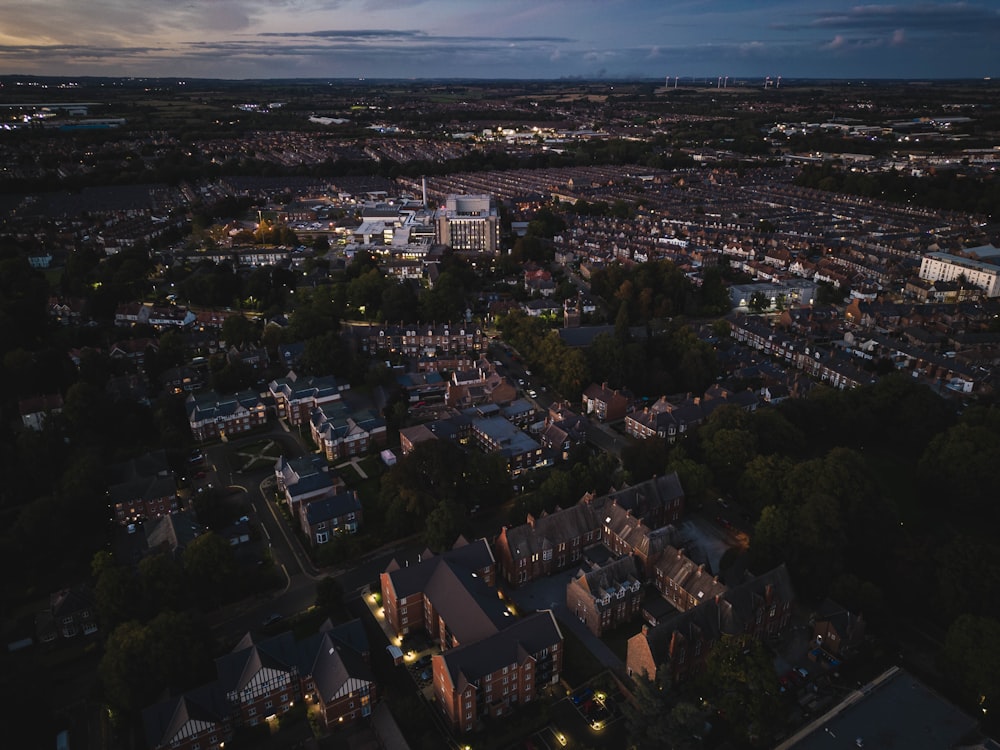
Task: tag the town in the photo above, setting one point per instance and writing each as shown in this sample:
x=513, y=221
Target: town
x=500, y=415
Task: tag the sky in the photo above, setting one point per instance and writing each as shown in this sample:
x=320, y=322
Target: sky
x=544, y=39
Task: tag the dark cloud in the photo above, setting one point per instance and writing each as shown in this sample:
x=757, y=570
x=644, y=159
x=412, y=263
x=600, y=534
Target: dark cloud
x=933, y=17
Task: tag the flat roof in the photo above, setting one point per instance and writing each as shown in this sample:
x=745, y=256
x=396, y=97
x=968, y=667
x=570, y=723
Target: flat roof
x=896, y=710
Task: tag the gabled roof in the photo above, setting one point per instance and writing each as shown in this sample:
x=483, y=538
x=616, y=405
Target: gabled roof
x=332, y=507
x=236, y=669
x=451, y=583
x=729, y=614
x=203, y=707
x=608, y=578
x=513, y=645
x=335, y=669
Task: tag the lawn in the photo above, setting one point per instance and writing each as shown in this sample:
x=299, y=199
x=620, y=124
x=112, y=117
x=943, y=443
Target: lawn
x=259, y=455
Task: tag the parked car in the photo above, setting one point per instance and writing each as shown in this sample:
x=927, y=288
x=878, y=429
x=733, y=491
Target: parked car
x=271, y=619
x=582, y=696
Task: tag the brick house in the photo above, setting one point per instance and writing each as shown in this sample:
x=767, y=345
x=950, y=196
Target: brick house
x=492, y=676
x=70, y=613
x=837, y=632
x=336, y=676
x=605, y=597
x=625, y=520
x=341, y=432
x=142, y=488
x=606, y=404
x=684, y=583
x=197, y=720
x=304, y=480
x=759, y=608
x=211, y=415
x=260, y=678
x=547, y=544
x=295, y=397
x=450, y=596
x=335, y=514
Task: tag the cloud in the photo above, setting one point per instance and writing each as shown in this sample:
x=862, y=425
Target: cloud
x=898, y=38
x=935, y=17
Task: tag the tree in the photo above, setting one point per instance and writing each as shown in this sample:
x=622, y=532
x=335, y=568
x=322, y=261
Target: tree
x=237, y=330
x=971, y=656
x=209, y=564
x=443, y=525
x=739, y=680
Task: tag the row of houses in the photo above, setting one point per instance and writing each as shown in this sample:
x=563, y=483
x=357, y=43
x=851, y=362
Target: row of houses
x=261, y=679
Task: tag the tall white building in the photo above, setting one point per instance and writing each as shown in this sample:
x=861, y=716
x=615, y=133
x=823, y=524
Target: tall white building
x=469, y=222
x=947, y=267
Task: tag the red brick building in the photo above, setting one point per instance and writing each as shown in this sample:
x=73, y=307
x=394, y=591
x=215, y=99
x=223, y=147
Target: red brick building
x=492, y=676
x=605, y=597
x=760, y=608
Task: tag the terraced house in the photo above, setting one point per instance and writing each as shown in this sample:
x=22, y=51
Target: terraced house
x=261, y=679
x=213, y=415
x=295, y=397
x=624, y=520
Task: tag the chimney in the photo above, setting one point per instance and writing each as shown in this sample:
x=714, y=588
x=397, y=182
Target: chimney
x=645, y=629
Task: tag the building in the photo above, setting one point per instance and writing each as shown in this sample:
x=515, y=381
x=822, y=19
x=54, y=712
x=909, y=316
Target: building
x=36, y=411
x=296, y=397
x=336, y=677
x=419, y=339
x=262, y=679
x=757, y=609
x=70, y=613
x=197, y=720
x=334, y=514
x=893, y=710
x=492, y=676
x=470, y=223
x=684, y=583
x=606, y=404
x=450, y=596
x=212, y=415
x=627, y=521
x=605, y=597
x=342, y=432
x=305, y=480
x=495, y=434
x=142, y=488
x=947, y=267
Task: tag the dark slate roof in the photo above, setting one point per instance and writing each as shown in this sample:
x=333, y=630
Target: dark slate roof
x=450, y=582
x=331, y=664
x=728, y=615
x=514, y=644
x=163, y=720
x=609, y=577
x=249, y=657
x=332, y=507
x=896, y=711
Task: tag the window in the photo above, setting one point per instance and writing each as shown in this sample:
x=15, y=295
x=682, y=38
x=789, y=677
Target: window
x=547, y=555
x=322, y=537
x=252, y=711
x=268, y=704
